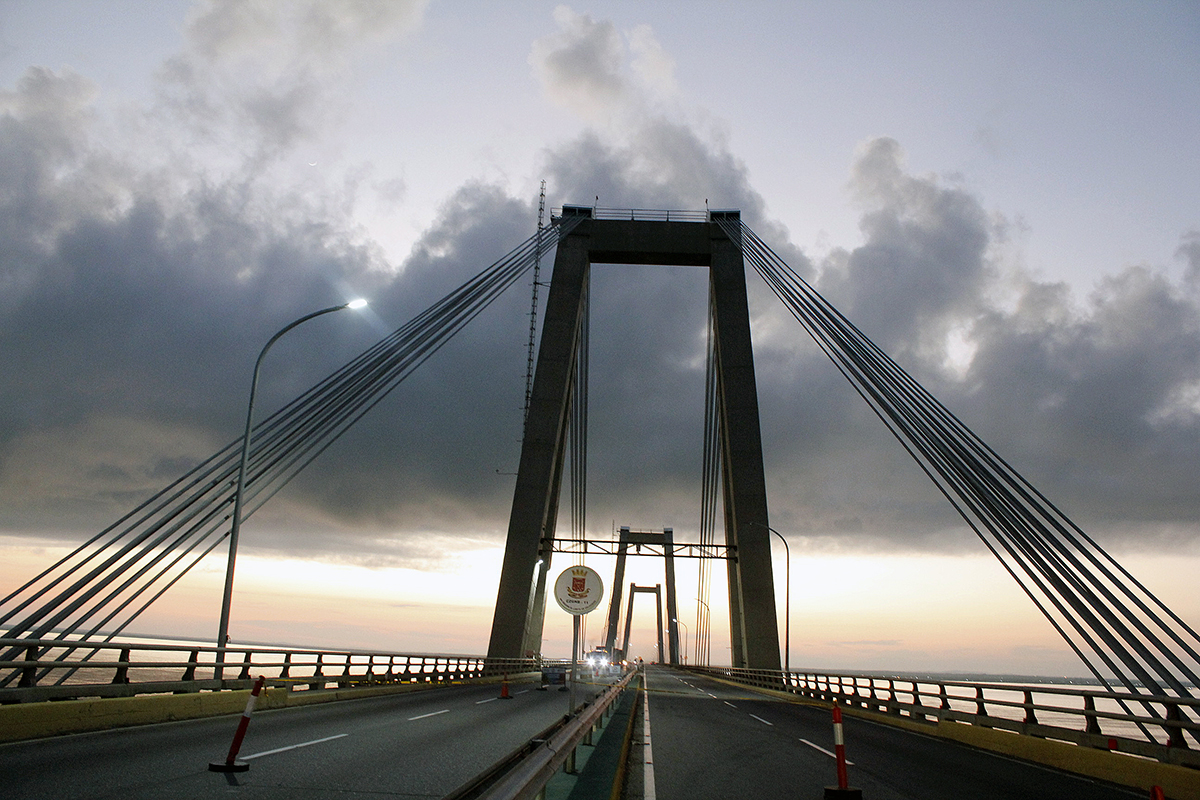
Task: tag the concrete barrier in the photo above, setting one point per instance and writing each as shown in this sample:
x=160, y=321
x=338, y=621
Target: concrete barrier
x=19, y=722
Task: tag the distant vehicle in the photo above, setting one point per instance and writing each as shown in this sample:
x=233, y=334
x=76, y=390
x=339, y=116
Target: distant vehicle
x=600, y=661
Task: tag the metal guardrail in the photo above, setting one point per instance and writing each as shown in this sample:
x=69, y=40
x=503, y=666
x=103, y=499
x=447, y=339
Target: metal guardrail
x=1118, y=721
x=536, y=763
x=53, y=669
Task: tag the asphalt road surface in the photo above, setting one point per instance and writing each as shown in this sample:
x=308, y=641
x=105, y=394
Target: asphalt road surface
x=420, y=744
x=711, y=740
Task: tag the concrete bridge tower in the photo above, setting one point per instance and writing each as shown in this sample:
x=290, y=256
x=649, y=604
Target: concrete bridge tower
x=521, y=599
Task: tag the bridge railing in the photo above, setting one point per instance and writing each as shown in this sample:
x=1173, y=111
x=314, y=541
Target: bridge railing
x=52, y=669
x=1161, y=727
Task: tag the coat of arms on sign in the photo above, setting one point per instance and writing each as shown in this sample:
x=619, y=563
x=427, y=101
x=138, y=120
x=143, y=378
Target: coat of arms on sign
x=578, y=584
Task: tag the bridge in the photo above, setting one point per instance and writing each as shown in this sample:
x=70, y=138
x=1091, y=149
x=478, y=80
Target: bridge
x=426, y=724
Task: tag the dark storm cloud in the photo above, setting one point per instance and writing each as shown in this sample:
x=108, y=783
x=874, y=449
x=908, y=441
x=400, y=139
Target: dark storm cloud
x=1093, y=398
x=138, y=294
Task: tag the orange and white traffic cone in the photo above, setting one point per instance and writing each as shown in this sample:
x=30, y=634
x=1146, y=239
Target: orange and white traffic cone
x=504, y=695
x=843, y=790
x=231, y=764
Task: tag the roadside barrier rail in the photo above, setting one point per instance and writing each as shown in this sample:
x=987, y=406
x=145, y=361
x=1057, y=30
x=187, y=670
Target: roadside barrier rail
x=55, y=669
x=536, y=763
x=1160, y=727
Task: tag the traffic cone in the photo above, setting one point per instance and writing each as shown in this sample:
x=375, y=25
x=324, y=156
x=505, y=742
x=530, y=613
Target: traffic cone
x=231, y=764
x=504, y=695
x=843, y=790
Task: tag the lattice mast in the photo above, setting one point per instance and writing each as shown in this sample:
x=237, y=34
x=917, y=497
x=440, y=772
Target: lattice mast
x=537, y=272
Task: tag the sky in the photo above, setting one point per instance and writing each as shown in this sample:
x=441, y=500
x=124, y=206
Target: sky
x=1004, y=197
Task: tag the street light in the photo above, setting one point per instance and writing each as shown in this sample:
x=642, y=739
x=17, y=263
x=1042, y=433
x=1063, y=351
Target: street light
x=702, y=635
x=787, y=601
x=686, y=635
x=227, y=598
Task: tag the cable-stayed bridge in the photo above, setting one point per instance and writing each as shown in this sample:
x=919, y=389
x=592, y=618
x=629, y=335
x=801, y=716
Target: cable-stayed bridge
x=1142, y=655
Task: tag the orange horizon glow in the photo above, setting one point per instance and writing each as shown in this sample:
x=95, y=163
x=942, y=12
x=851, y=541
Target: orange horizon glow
x=898, y=613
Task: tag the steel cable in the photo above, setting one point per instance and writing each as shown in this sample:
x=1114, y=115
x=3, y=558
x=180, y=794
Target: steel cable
x=194, y=509
x=1111, y=613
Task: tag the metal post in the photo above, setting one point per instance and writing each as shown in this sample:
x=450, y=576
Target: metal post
x=574, y=658
x=235, y=527
x=702, y=638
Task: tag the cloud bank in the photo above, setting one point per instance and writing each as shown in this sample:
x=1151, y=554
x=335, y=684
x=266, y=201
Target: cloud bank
x=149, y=256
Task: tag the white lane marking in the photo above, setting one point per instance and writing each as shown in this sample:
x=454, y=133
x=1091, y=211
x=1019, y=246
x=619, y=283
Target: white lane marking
x=523, y=691
x=731, y=705
x=431, y=714
x=763, y=721
x=481, y=702
x=294, y=746
x=648, y=792
x=826, y=752
x=710, y=694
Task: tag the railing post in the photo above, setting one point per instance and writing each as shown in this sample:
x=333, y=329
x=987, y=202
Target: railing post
x=1030, y=715
x=29, y=672
x=944, y=696
x=287, y=665
x=980, y=707
x=917, y=704
x=189, y=674
x=244, y=675
x=317, y=674
x=1089, y=713
x=122, y=675
x=569, y=767
x=1174, y=732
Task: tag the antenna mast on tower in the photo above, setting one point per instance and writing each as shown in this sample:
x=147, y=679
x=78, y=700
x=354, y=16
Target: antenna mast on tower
x=537, y=269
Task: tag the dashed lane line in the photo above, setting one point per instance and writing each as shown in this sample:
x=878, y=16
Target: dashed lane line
x=294, y=746
x=763, y=721
x=430, y=714
x=826, y=752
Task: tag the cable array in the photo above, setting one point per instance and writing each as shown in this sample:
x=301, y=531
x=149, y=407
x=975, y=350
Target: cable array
x=710, y=487
x=577, y=428
x=105, y=583
x=1120, y=630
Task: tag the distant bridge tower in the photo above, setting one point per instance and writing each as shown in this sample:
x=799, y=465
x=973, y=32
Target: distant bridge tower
x=665, y=542
x=521, y=599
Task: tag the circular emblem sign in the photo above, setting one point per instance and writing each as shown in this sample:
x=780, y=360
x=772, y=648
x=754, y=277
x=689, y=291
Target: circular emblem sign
x=578, y=590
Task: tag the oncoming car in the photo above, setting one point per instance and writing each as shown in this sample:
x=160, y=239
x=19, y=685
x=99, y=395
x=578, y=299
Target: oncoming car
x=599, y=661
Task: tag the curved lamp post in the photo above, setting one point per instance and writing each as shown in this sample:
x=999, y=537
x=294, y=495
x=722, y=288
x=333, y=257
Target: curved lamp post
x=686, y=636
x=702, y=646
x=787, y=601
x=227, y=598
